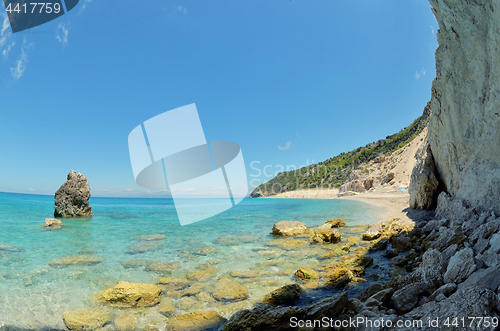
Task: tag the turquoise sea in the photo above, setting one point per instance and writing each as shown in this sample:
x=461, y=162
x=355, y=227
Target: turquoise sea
x=34, y=294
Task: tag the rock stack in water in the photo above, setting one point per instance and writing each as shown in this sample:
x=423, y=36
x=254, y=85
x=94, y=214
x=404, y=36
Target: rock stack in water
x=72, y=198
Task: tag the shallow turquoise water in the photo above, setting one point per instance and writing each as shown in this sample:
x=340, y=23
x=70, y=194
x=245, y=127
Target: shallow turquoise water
x=34, y=294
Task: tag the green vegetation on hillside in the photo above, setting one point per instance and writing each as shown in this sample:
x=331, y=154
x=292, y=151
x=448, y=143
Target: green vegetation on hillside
x=336, y=170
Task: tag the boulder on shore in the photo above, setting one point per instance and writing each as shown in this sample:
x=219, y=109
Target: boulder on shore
x=72, y=198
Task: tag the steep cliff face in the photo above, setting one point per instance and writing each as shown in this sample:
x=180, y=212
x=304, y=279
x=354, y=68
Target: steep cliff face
x=464, y=128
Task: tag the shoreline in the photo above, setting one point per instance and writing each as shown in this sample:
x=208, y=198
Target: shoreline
x=394, y=202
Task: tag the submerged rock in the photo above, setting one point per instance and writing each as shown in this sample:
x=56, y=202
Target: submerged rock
x=166, y=308
x=202, y=273
x=198, y=320
x=72, y=198
x=9, y=248
x=52, y=223
x=151, y=237
x=127, y=294
x=163, y=267
x=288, y=228
x=82, y=259
x=125, y=323
x=144, y=246
x=227, y=289
x=81, y=319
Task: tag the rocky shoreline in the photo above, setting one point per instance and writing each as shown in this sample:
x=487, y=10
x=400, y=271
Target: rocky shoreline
x=443, y=270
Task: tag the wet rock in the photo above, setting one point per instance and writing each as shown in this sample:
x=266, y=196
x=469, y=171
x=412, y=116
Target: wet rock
x=80, y=319
x=306, y=274
x=151, y=237
x=127, y=294
x=460, y=267
x=229, y=290
x=286, y=295
x=52, y=223
x=72, y=198
x=144, y=246
x=406, y=298
x=82, y=259
x=198, y=320
x=336, y=223
x=125, y=323
x=423, y=184
x=288, y=228
x=326, y=236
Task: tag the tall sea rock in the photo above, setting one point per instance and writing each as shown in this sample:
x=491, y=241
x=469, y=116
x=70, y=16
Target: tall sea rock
x=464, y=128
x=72, y=198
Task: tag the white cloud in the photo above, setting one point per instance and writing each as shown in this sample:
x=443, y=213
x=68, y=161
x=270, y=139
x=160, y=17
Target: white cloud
x=432, y=30
x=84, y=5
x=4, y=34
x=6, y=51
x=420, y=73
x=287, y=146
x=181, y=9
x=18, y=70
x=62, y=34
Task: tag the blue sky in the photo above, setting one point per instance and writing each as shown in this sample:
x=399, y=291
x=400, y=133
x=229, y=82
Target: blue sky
x=292, y=82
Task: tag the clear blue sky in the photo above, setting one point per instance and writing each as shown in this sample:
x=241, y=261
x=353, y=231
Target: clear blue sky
x=290, y=81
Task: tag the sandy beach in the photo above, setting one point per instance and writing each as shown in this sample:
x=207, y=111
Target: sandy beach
x=395, y=203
